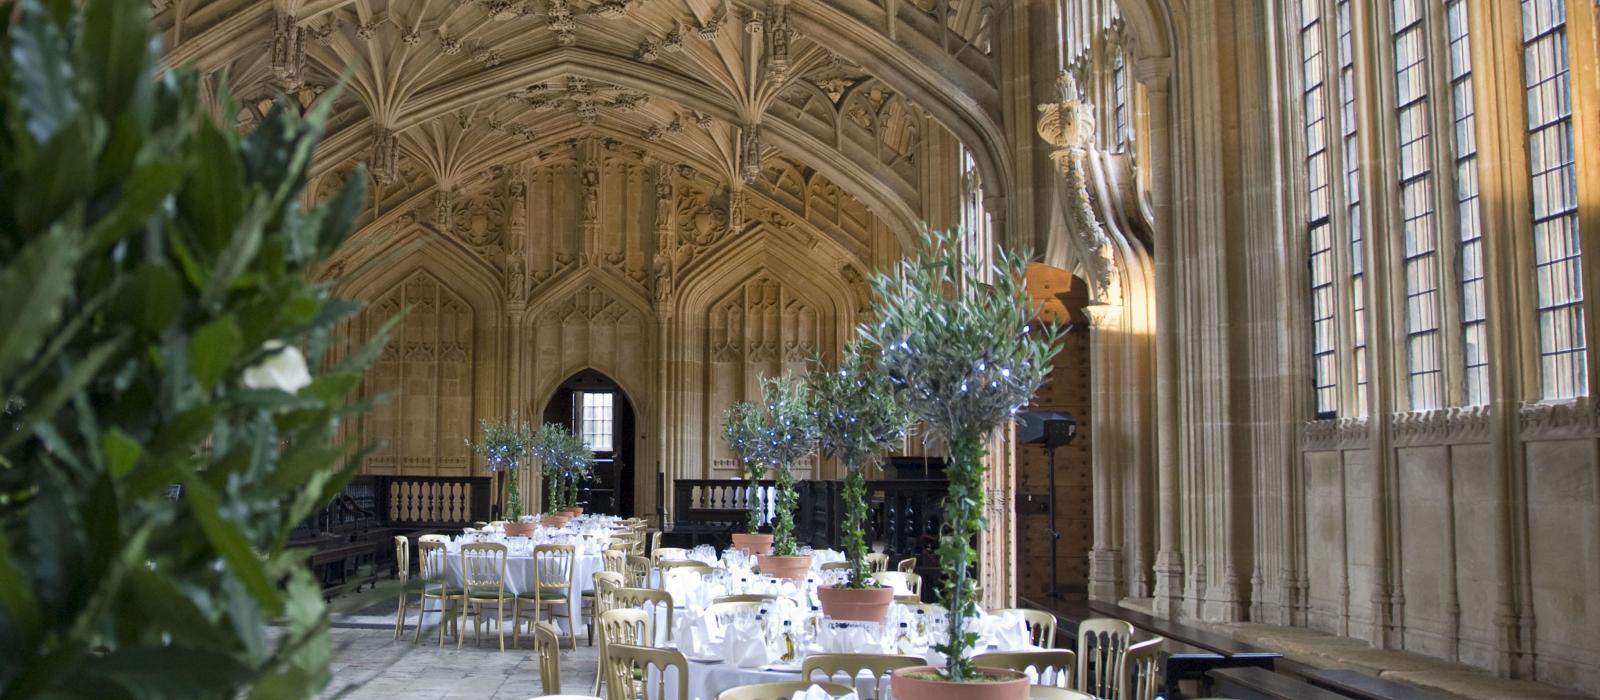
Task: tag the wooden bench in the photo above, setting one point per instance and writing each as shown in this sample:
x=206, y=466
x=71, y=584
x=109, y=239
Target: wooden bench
x=1262, y=684
x=1360, y=685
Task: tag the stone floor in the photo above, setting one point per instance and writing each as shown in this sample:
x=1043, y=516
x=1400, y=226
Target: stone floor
x=369, y=664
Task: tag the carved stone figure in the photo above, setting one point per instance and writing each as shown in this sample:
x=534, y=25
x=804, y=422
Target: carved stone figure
x=288, y=53
x=1068, y=124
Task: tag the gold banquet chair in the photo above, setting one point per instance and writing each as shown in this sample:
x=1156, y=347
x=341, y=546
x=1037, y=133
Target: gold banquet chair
x=877, y=561
x=638, y=571
x=604, y=582
x=908, y=565
x=553, y=566
x=623, y=626
x=1139, y=677
x=1053, y=667
x=431, y=565
x=650, y=600
x=781, y=690
x=1041, y=625
x=547, y=642
x=628, y=673
x=851, y=666
x=408, y=588
x=659, y=553
x=1050, y=692
x=483, y=580
x=1101, y=643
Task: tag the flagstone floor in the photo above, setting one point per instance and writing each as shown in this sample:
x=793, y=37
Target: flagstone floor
x=369, y=664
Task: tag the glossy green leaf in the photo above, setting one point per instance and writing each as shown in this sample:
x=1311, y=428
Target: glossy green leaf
x=151, y=299
x=213, y=349
x=41, y=66
x=35, y=286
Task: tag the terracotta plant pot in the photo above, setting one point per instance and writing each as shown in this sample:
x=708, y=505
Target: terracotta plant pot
x=553, y=520
x=576, y=511
x=794, y=568
x=752, y=543
x=1003, y=685
x=862, y=604
x=520, y=529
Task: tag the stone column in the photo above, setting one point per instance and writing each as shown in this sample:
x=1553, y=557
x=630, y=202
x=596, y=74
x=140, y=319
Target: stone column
x=1168, y=590
x=1106, y=573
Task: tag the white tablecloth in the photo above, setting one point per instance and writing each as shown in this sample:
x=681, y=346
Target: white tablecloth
x=519, y=577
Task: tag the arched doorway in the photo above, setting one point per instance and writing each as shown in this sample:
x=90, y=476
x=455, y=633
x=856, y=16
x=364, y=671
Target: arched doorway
x=593, y=405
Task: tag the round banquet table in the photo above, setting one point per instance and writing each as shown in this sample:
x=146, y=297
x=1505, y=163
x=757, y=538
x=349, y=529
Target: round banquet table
x=519, y=576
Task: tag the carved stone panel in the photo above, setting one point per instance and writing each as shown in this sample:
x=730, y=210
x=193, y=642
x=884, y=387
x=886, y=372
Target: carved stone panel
x=426, y=371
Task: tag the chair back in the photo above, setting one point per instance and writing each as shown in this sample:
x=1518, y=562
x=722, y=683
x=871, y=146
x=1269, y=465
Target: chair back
x=615, y=560
x=627, y=626
x=1053, y=667
x=897, y=579
x=643, y=599
x=1101, y=644
x=877, y=561
x=655, y=540
x=659, y=553
x=402, y=558
x=835, y=566
x=639, y=569
x=442, y=539
x=431, y=561
x=553, y=566
x=1041, y=625
x=666, y=565
x=781, y=690
x=849, y=668
x=547, y=642
x=628, y=673
x=483, y=567
x=1140, y=678
x=907, y=565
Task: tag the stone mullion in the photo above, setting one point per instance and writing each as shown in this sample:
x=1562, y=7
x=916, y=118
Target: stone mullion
x=1380, y=210
x=1510, y=297
x=1442, y=127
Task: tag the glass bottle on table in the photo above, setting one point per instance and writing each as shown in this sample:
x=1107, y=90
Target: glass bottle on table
x=788, y=642
x=902, y=639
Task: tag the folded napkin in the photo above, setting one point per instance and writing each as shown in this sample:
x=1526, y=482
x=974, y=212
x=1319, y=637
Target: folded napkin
x=692, y=634
x=744, y=644
x=815, y=692
x=1010, y=632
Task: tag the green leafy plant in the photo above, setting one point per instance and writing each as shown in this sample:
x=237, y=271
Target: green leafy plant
x=505, y=446
x=857, y=417
x=963, y=352
x=567, y=461
x=743, y=431
x=788, y=434
x=164, y=430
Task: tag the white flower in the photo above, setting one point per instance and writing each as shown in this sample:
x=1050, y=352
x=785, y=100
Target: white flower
x=284, y=368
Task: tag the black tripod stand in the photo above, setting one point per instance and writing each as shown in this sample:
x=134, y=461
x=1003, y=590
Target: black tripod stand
x=1049, y=431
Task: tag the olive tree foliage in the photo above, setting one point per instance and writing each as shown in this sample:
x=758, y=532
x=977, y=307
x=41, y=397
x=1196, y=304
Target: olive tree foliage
x=163, y=431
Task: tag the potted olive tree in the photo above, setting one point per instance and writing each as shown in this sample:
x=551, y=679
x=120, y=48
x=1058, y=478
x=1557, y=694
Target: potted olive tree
x=789, y=434
x=742, y=429
x=505, y=446
x=857, y=418
x=963, y=353
x=553, y=444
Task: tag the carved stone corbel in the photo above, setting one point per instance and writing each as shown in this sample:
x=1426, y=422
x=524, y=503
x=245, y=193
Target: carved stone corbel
x=288, y=53
x=1068, y=124
x=385, y=160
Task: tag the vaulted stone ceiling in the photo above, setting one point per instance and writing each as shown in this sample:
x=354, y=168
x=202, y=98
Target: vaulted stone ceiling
x=440, y=92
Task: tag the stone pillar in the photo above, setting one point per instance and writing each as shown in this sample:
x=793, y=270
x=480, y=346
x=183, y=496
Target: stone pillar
x=1168, y=590
x=997, y=545
x=1106, y=572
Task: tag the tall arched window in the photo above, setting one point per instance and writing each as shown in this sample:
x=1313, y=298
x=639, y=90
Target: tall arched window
x=1558, y=269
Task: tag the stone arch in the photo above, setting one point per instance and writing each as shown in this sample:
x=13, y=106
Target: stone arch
x=441, y=366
